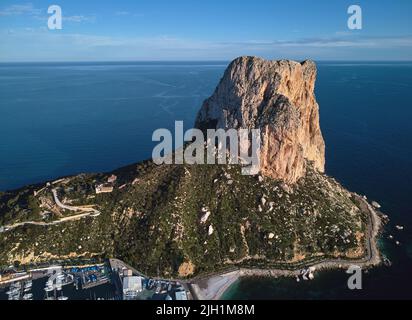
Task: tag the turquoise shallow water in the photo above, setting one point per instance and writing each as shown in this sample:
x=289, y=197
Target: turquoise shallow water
x=61, y=119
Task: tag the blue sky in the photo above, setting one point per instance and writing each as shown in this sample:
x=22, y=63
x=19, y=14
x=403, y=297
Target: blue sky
x=204, y=30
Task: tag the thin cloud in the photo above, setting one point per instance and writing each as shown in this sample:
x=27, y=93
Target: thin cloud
x=79, y=18
x=332, y=42
x=70, y=46
x=20, y=9
x=40, y=14
x=122, y=13
x=128, y=13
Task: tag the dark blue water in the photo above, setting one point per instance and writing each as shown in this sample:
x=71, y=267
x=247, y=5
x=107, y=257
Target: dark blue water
x=61, y=119
x=366, y=112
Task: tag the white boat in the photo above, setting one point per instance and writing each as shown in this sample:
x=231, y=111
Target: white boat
x=11, y=291
x=28, y=296
x=59, y=283
x=49, y=286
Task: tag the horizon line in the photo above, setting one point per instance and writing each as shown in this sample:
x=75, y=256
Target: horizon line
x=189, y=60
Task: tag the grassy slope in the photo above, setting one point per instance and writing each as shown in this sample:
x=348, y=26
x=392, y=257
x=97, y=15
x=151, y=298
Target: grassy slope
x=154, y=224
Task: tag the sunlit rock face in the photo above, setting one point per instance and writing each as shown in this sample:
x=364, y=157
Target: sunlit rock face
x=278, y=98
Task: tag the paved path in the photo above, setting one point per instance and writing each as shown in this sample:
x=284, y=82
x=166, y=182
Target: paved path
x=213, y=286
x=87, y=212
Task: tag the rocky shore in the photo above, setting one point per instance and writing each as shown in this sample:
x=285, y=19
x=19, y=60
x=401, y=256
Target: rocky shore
x=185, y=220
x=214, y=287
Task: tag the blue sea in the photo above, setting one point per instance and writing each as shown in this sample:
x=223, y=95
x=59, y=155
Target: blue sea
x=66, y=118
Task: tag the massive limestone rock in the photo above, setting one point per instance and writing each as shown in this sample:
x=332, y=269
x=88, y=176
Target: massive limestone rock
x=277, y=97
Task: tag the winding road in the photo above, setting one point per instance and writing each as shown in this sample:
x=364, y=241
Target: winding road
x=87, y=212
x=213, y=286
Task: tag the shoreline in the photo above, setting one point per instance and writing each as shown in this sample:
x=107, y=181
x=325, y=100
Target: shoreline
x=215, y=286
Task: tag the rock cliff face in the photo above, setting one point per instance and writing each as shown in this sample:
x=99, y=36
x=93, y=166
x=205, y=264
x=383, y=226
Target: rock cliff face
x=186, y=220
x=277, y=97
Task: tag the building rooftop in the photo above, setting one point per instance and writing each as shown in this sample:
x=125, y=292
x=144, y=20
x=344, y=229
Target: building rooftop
x=181, y=295
x=132, y=284
x=104, y=189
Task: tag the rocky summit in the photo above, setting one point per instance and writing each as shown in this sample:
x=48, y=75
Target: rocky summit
x=278, y=98
x=185, y=220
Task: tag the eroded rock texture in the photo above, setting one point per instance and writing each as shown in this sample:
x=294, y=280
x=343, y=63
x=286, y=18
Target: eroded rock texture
x=277, y=97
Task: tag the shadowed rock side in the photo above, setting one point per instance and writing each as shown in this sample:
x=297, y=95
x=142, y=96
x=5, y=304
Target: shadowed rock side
x=277, y=97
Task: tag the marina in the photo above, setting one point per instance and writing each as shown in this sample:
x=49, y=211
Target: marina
x=20, y=291
x=112, y=280
x=136, y=286
x=61, y=283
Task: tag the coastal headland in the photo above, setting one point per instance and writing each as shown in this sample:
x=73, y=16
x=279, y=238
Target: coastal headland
x=208, y=224
x=214, y=286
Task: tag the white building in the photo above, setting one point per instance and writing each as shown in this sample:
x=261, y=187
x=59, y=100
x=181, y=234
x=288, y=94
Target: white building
x=103, y=189
x=181, y=295
x=127, y=273
x=131, y=287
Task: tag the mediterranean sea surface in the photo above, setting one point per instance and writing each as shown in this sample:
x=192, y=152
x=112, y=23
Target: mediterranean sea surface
x=66, y=118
